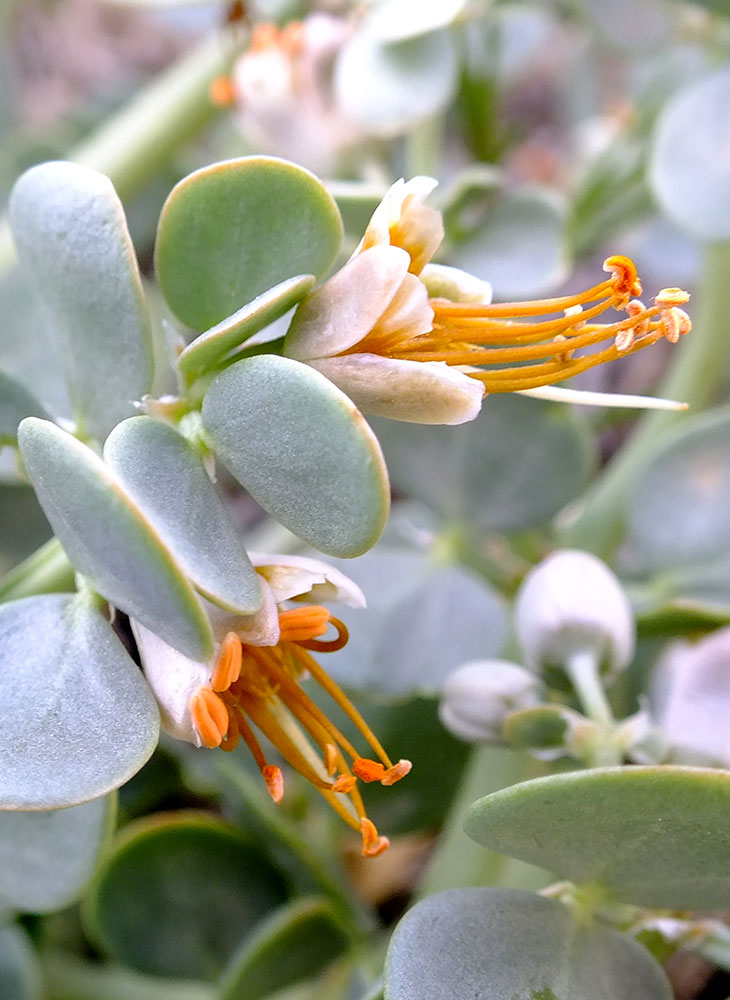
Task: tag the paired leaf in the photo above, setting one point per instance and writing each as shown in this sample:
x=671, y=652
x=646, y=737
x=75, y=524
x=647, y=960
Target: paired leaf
x=166, y=480
x=72, y=237
x=302, y=450
x=108, y=539
x=652, y=836
x=178, y=895
x=498, y=944
x=47, y=857
x=78, y=717
x=211, y=347
x=231, y=231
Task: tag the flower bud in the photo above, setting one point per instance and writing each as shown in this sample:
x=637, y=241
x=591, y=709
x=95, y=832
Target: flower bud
x=691, y=699
x=572, y=605
x=477, y=697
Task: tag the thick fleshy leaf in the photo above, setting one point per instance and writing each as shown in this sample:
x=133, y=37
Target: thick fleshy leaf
x=653, y=836
x=72, y=236
x=295, y=943
x=689, y=169
x=20, y=974
x=179, y=893
x=107, y=538
x=302, y=450
x=233, y=230
x=385, y=87
x=78, y=718
x=422, y=621
x=16, y=403
x=48, y=856
x=678, y=510
x=512, y=468
x=211, y=347
x=165, y=478
x=499, y=944
x=518, y=245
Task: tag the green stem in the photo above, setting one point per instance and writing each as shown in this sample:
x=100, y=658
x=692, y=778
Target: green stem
x=133, y=145
x=458, y=861
x=583, y=670
x=46, y=571
x=699, y=369
x=70, y=978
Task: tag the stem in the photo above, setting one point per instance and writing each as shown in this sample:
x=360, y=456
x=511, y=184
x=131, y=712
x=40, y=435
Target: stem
x=458, y=861
x=132, y=146
x=70, y=978
x=46, y=571
x=700, y=367
x=582, y=669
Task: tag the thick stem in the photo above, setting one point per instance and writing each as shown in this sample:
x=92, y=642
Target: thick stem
x=699, y=368
x=46, y=571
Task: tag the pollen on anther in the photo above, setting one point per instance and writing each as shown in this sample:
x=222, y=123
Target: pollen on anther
x=372, y=843
x=344, y=783
x=396, y=772
x=668, y=297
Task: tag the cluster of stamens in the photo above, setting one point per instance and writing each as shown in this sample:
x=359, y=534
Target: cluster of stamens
x=260, y=685
x=505, y=352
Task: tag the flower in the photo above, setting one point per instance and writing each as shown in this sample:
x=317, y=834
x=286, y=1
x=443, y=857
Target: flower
x=253, y=680
x=411, y=341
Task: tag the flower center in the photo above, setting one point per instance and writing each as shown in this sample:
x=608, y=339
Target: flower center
x=259, y=685
x=511, y=354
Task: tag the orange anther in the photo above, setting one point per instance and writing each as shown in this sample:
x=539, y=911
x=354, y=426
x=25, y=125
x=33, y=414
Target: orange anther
x=330, y=758
x=300, y=624
x=292, y=37
x=625, y=277
x=368, y=770
x=274, y=782
x=209, y=716
x=668, y=297
x=265, y=35
x=685, y=323
x=227, y=667
x=396, y=772
x=565, y=355
x=344, y=783
x=670, y=325
x=222, y=92
x=372, y=843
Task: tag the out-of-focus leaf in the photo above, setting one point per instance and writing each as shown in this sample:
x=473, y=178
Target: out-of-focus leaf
x=302, y=450
x=48, y=856
x=231, y=231
x=652, y=836
x=294, y=943
x=72, y=236
x=166, y=480
x=689, y=170
x=385, y=87
x=423, y=620
x=16, y=403
x=179, y=893
x=513, y=468
x=499, y=944
x=20, y=974
x=78, y=717
x=107, y=538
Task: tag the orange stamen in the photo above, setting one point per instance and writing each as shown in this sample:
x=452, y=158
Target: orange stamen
x=227, y=667
x=368, y=770
x=330, y=758
x=372, y=843
x=395, y=773
x=210, y=717
x=344, y=783
x=222, y=92
x=274, y=782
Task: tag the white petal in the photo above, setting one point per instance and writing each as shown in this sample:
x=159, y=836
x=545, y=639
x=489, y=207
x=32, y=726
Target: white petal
x=174, y=679
x=444, y=282
x=419, y=228
x=416, y=391
x=302, y=577
x=339, y=313
x=258, y=629
x=409, y=313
